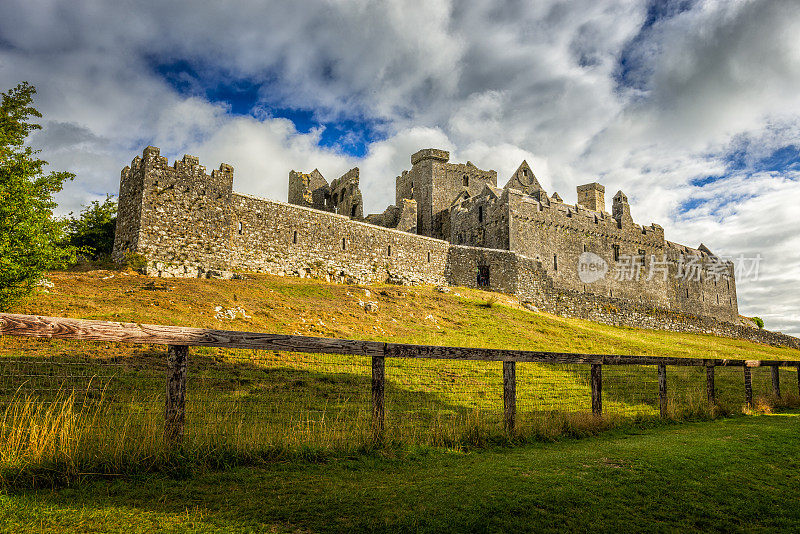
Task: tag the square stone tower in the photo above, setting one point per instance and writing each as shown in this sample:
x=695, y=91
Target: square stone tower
x=592, y=196
x=436, y=185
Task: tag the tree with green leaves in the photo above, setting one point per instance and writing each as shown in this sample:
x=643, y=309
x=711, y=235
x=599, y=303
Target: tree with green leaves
x=92, y=232
x=31, y=239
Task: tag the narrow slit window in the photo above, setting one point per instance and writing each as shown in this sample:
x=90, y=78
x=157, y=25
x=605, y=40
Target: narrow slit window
x=555, y=262
x=344, y=244
x=389, y=250
x=429, y=257
x=294, y=237
x=641, y=256
x=241, y=228
x=480, y=214
x=687, y=292
x=465, y=179
x=615, y=249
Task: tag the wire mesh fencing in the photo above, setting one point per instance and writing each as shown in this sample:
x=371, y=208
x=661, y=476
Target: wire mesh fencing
x=259, y=400
x=249, y=399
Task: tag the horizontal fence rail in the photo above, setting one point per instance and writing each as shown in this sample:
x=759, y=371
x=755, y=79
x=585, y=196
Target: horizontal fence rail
x=86, y=330
x=179, y=339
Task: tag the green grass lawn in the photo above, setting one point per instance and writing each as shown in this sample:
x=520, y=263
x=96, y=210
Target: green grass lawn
x=282, y=442
x=735, y=474
x=257, y=404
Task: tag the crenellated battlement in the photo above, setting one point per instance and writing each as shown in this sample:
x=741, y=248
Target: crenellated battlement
x=449, y=222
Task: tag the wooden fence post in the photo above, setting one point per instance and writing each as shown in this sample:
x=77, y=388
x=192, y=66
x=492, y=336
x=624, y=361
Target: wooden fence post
x=662, y=389
x=175, y=406
x=776, y=381
x=710, y=389
x=378, y=386
x=748, y=386
x=597, y=389
x=510, y=394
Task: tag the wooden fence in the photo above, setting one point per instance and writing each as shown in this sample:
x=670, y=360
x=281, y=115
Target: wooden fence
x=179, y=339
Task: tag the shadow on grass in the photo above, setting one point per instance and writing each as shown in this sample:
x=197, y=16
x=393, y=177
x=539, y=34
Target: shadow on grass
x=77, y=413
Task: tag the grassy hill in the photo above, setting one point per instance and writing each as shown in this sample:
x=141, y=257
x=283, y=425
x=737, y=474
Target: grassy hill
x=98, y=407
x=464, y=317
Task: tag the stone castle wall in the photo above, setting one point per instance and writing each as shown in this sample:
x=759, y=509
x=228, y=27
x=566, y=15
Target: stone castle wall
x=187, y=222
x=190, y=223
x=557, y=235
x=283, y=239
x=621, y=312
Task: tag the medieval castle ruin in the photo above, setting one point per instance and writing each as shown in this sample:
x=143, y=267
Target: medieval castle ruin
x=450, y=225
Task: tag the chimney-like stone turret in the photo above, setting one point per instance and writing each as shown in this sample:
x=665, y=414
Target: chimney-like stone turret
x=620, y=209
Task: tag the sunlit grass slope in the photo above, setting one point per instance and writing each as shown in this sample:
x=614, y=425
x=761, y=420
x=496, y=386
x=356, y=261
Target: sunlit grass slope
x=406, y=314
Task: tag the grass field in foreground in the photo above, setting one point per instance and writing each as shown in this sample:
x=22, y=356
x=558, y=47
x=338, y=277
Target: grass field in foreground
x=739, y=474
x=257, y=403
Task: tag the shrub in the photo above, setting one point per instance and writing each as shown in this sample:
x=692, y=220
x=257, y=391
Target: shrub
x=490, y=301
x=759, y=322
x=92, y=232
x=134, y=261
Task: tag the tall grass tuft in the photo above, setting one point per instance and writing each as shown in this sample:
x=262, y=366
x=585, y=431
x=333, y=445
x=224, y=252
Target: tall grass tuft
x=62, y=438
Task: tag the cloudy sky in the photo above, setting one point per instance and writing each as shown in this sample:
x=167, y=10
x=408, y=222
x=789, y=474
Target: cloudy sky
x=690, y=107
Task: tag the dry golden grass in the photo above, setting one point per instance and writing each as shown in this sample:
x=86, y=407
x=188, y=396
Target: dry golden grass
x=254, y=406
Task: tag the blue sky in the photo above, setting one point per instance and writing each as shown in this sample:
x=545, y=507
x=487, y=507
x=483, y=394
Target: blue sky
x=689, y=107
x=350, y=135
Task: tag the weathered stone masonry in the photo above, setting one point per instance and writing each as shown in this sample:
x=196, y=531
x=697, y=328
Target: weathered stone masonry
x=190, y=223
x=450, y=225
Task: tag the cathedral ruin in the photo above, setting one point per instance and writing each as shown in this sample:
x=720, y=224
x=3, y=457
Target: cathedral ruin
x=450, y=225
